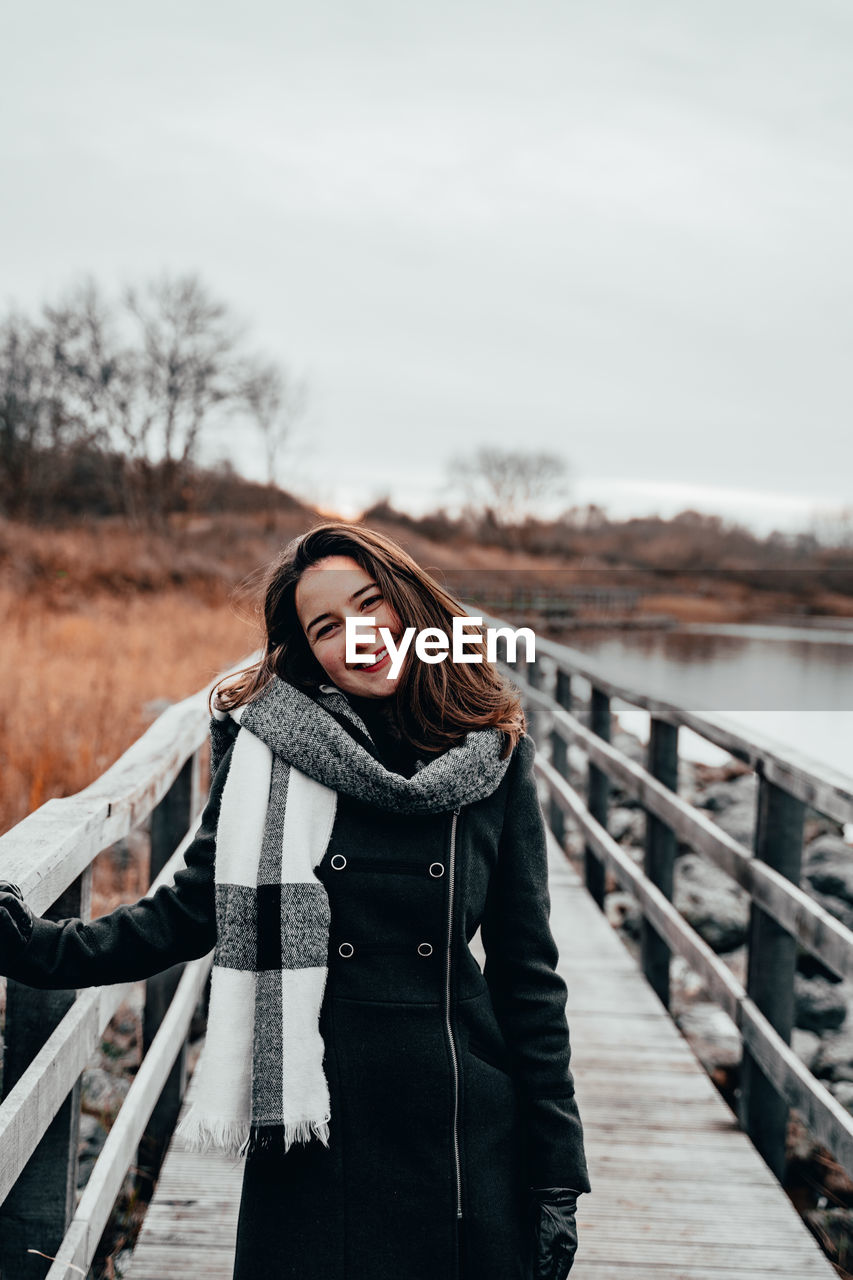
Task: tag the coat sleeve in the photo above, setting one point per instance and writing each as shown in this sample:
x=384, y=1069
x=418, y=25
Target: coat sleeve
x=175, y=924
x=528, y=994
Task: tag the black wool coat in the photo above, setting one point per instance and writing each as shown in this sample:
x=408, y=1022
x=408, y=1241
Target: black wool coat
x=451, y=1089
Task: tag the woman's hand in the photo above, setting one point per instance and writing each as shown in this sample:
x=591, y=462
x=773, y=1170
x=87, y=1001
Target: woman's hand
x=16, y=920
x=555, y=1232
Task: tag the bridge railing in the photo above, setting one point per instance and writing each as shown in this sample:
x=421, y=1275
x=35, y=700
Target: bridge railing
x=782, y=916
x=50, y=1036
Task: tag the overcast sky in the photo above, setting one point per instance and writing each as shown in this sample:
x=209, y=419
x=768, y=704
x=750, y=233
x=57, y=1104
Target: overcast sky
x=617, y=229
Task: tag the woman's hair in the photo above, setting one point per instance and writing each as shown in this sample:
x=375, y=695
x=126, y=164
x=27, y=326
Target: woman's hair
x=436, y=704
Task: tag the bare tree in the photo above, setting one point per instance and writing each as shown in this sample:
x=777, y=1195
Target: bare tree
x=183, y=366
x=509, y=485
x=85, y=361
x=25, y=409
x=125, y=391
x=275, y=402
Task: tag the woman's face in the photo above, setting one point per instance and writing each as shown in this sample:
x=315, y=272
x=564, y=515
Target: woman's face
x=332, y=590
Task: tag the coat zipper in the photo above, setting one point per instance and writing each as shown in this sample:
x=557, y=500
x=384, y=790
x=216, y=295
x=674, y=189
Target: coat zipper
x=451, y=878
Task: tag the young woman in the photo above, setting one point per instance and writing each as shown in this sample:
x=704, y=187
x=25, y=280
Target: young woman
x=403, y=1114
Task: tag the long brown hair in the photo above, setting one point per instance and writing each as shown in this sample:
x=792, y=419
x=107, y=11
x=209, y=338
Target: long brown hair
x=435, y=704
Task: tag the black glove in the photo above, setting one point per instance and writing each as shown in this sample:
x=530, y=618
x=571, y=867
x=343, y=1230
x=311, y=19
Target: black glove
x=16, y=921
x=555, y=1240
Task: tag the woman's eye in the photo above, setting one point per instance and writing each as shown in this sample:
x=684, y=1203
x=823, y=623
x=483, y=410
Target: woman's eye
x=330, y=626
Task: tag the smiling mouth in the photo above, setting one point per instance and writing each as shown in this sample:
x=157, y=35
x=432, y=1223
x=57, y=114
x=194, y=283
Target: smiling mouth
x=382, y=655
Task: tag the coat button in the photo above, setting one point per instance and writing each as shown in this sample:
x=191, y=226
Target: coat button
x=346, y=949
x=424, y=948
x=436, y=869
x=338, y=861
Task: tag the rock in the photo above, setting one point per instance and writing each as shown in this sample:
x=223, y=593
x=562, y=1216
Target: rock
x=800, y=1145
x=739, y=823
x=623, y=911
x=630, y=746
x=688, y=782
x=732, y=805
x=124, y=1022
x=93, y=1135
x=711, y=902
x=817, y=824
x=627, y=824
x=686, y=982
x=819, y=1004
x=102, y=1093
x=727, y=792
x=834, y=1229
x=713, y=1036
x=834, y=1058
x=806, y=1045
x=828, y=867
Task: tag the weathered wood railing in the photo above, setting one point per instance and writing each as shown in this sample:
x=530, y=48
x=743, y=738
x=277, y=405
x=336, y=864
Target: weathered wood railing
x=51, y=1035
x=772, y=1078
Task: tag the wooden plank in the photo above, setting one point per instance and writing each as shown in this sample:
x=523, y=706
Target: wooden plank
x=772, y=952
x=560, y=755
x=48, y=849
x=830, y=1123
x=169, y=820
x=107, y=1176
x=668, y=1165
x=659, y=856
x=584, y=1269
x=40, y=1204
x=191, y=1226
x=811, y=924
x=598, y=792
x=36, y=1097
x=819, y=785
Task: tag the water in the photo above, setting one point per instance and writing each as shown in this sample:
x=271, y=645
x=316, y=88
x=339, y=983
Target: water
x=795, y=687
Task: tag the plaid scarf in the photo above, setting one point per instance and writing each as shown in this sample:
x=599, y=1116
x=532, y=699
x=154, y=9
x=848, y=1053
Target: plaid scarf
x=260, y=1082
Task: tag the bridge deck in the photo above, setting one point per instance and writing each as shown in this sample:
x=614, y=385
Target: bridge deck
x=678, y=1191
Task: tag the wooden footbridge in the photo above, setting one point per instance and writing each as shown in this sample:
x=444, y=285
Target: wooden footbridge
x=682, y=1188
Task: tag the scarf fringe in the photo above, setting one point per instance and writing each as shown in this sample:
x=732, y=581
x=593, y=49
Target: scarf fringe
x=200, y=1134
x=276, y=1139
x=236, y=1138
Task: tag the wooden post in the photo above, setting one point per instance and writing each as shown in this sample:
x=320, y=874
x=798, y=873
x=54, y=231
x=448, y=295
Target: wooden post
x=763, y=1113
x=598, y=792
x=36, y=1213
x=170, y=822
x=661, y=846
x=560, y=753
x=533, y=676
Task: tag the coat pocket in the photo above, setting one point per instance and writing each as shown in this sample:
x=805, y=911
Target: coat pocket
x=493, y=1058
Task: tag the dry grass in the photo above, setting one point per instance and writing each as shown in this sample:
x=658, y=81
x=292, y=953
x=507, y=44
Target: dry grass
x=205, y=556
x=101, y=620
x=80, y=681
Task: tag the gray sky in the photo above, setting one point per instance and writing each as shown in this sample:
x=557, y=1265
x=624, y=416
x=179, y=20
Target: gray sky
x=613, y=229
